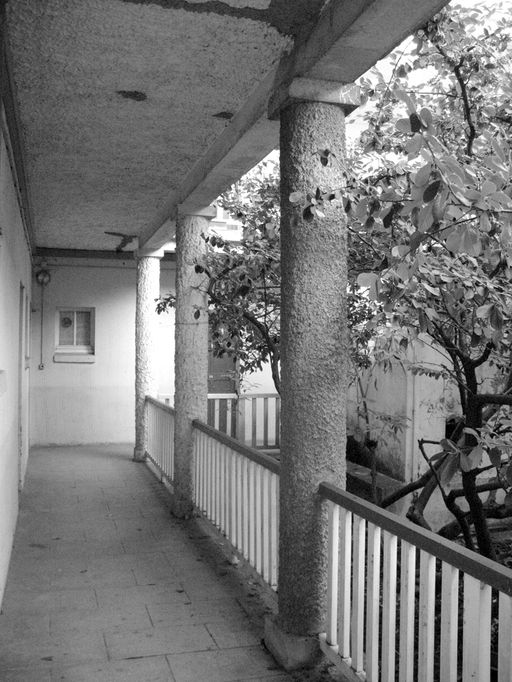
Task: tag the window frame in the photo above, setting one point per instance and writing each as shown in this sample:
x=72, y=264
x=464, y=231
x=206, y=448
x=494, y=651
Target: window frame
x=75, y=352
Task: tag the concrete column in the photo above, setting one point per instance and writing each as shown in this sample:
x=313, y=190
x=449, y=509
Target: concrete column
x=191, y=353
x=148, y=289
x=313, y=372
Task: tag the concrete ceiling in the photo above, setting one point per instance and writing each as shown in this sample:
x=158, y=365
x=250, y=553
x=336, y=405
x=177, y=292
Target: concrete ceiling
x=127, y=108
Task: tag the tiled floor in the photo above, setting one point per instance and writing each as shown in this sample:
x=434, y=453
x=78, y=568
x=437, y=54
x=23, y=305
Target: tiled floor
x=105, y=586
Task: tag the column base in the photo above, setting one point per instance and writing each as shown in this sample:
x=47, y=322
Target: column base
x=139, y=455
x=181, y=507
x=292, y=652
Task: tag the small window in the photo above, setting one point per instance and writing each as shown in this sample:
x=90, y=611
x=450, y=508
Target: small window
x=75, y=335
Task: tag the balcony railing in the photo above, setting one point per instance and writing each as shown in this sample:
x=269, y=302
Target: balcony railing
x=160, y=436
x=403, y=603
x=253, y=419
x=237, y=489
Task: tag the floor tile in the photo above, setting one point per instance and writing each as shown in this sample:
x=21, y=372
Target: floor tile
x=156, y=641
x=153, y=669
x=229, y=665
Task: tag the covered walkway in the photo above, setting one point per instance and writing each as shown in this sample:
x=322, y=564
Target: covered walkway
x=105, y=585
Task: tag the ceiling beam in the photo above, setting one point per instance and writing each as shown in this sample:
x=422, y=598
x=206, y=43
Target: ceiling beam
x=348, y=39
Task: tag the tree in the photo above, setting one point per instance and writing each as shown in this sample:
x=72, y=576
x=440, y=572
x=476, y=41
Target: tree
x=244, y=277
x=428, y=194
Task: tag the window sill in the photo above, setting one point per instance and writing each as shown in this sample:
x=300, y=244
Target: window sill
x=82, y=358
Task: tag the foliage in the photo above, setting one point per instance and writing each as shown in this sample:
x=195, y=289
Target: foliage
x=244, y=277
x=428, y=193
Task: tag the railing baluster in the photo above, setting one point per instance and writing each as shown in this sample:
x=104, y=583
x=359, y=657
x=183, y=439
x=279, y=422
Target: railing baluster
x=426, y=617
x=389, y=607
x=245, y=508
x=505, y=638
x=449, y=622
x=278, y=422
x=372, y=604
x=265, y=524
x=265, y=422
x=222, y=488
x=476, y=630
x=254, y=441
x=274, y=528
x=232, y=499
x=358, y=585
x=332, y=574
x=258, y=529
x=239, y=504
x=407, y=602
x=345, y=583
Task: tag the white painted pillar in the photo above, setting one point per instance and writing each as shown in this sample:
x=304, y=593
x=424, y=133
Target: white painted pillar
x=191, y=352
x=148, y=290
x=314, y=348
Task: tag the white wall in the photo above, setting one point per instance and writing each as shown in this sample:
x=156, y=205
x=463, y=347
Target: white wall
x=91, y=403
x=15, y=272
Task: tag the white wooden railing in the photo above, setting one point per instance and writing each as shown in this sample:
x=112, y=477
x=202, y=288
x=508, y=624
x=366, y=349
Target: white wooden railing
x=160, y=436
x=237, y=489
x=254, y=419
x=450, y=620
x=403, y=604
x=223, y=412
x=260, y=420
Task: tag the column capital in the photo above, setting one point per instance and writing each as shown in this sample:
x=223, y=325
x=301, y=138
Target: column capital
x=208, y=212
x=345, y=95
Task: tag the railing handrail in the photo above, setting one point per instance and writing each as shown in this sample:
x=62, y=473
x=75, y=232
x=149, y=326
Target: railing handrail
x=259, y=457
x=159, y=403
x=481, y=568
x=250, y=396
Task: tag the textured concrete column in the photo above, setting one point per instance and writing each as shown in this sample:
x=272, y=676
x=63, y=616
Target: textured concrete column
x=191, y=353
x=314, y=373
x=148, y=289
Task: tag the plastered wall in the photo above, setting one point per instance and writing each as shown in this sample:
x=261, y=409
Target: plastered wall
x=75, y=403
x=15, y=280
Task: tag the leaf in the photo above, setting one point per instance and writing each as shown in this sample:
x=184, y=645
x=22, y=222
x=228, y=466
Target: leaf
x=426, y=117
x=496, y=317
x=495, y=457
x=399, y=251
x=475, y=456
x=414, y=146
x=488, y=187
x=403, y=125
x=483, y=311
x=416, y=123
x=432, y=290
x=471, y=432
x=508, y=473
x=431, y=192
x=471, y=243
x=415, y=240
x=297, y=197
x=464, y=463
x=404, y=97
x=448, y=445
x=449, y=468
x=369, y=280
x=423, y=175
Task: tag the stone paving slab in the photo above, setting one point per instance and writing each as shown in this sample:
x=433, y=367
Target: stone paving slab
x=230, y=665
x=152, y=669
